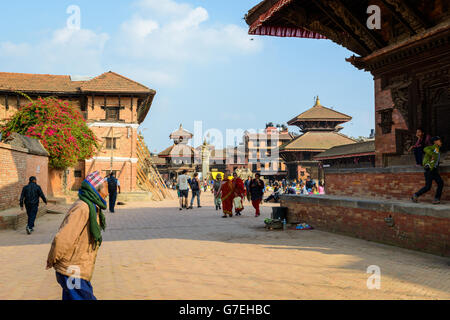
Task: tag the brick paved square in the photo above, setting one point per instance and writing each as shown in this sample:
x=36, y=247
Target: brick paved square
x=154, y=251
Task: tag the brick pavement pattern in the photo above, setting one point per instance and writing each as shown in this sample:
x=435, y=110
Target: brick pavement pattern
x=154, y=251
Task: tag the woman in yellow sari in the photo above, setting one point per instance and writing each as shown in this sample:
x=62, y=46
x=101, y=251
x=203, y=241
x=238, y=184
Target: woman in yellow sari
x=227, y=189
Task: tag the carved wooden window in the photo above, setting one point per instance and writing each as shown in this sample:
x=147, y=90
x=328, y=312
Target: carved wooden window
x=386, y=121
x=112, y=114
x=77, y=174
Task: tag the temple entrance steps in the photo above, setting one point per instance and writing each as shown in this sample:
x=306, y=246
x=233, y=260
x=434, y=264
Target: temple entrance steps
x=422, y=226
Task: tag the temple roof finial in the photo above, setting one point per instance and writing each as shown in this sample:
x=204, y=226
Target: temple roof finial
x=317, y=101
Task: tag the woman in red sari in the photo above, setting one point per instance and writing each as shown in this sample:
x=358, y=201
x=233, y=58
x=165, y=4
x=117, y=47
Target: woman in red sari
x=227, y=190
x=239, y=191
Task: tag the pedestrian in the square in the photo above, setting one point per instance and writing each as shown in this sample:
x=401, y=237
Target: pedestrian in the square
x=30, y=196
x=183, y=187
x=113, y=186
x=247, y=188
x=217, y=195
x=423, y=140
x=432, y=156
x=75, y=246
x=239, y=194
x=195, y=187
x=257, y=192
x=227, y=193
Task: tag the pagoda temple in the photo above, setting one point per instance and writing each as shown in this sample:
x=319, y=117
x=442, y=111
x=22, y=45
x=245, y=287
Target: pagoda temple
x=405, y=45
x=180, y=156
x=320, y=128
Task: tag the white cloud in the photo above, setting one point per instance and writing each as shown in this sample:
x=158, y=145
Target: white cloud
x=164, y=7
x=64, y=51
x=139, y=27
x=183, y=34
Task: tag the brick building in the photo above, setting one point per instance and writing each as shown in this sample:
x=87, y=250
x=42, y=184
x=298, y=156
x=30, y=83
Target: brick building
x=262, y=152
x=113, y=106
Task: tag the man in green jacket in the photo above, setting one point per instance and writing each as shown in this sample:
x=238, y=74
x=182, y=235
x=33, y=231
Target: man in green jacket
x=431, y=166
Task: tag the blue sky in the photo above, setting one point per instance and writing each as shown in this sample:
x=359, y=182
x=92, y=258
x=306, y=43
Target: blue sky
x=198, y=57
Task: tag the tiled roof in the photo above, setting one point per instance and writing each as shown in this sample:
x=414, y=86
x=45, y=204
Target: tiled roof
x=316, y=141
x=181, y=133
x=107, y=82
x=37, y=83
x=34, y=146
x=178, y=151
x=113, y=82
x=319, y=112
x=349, y=150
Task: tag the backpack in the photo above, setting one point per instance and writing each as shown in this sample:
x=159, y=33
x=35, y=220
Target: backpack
x=112, y=185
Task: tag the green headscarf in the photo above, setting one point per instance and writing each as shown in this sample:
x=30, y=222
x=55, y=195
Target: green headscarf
x=88, y=194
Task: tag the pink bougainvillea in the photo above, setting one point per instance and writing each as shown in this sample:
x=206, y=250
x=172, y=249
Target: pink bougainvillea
x=60, y=127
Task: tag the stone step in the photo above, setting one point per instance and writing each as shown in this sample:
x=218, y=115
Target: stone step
x=14, y=218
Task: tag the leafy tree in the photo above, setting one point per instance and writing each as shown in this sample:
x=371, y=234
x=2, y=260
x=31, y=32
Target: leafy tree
x=59, y=126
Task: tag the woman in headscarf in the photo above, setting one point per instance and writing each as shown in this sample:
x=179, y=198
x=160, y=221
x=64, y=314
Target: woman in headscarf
x=227, y=190
x=239, y=193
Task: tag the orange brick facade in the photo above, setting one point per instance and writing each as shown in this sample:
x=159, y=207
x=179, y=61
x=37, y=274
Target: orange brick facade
x=17, y=165
x=116, y=131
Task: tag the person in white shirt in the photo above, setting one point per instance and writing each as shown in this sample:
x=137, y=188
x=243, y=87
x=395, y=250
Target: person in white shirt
x=183, y=187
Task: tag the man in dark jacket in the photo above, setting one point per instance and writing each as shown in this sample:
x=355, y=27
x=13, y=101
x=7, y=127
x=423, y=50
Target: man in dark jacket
x=30, y=197
x=113, y=185
x=195, y=187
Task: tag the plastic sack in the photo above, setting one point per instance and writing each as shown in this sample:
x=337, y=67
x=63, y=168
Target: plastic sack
x=238, y=202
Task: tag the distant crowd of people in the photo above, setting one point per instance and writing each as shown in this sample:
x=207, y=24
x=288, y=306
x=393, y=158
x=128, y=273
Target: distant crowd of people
x=229, y=192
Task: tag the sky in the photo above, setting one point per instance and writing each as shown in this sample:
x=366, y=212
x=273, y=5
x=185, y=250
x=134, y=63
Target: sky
x=196, y=54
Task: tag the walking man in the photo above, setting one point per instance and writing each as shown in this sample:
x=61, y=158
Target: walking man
x=113, y=185
x=75, y=246
x=183, y=187
x=431, y=165
x=257, y=192
x=247, y=188
x=30, y=197
x=195, y=187
x=217, y=195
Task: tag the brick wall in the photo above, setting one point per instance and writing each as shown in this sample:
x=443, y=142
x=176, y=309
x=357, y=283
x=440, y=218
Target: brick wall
x=127, y=172
x=385, y=143
x=17, y=165
x=379, y=183
x=413, y=231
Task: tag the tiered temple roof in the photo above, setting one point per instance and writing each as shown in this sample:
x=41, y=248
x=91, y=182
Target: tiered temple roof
x=320, y=126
